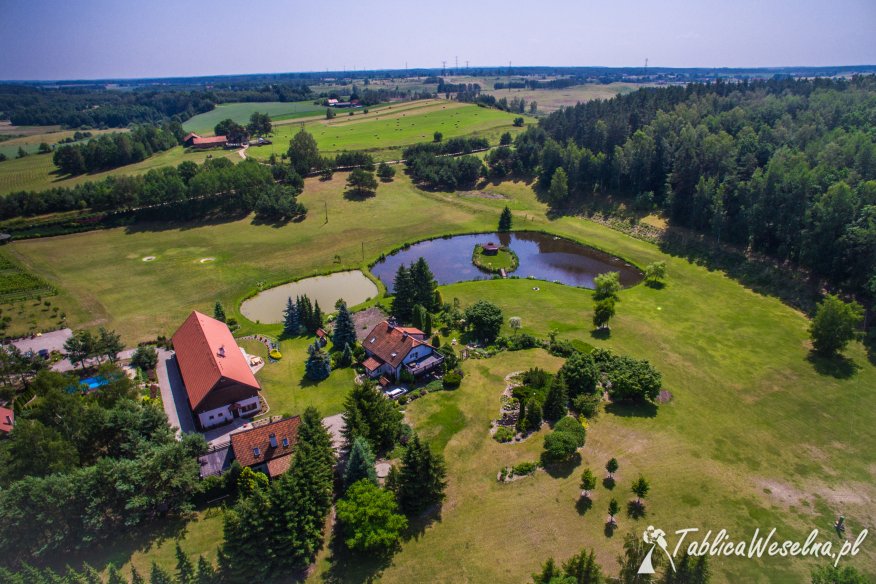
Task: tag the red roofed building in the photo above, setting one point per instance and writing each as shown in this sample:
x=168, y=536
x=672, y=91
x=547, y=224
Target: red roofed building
x=7, y=421
x=267, y=448
x=219, y=383
x=192, y=140
x=392, y=349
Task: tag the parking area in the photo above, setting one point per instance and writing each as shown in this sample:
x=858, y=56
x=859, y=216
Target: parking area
x=173, y=393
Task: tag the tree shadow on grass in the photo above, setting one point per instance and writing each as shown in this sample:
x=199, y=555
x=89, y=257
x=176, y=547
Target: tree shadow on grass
x=636, y=509
x=837, y=366
x=418, y=523
x=351, y=567
x=583, y=505
x=609, y=483
x=632, y=409
x=601, y=333
x=562, y=470
x=358, y=195
x=656, y=285
x=610, y=528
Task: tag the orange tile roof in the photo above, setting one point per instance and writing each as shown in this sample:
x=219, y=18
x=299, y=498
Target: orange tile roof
x=278, y=466
x=390, y=344
x=244, y=444
x=7, y=420
x=411, y=330
x=207, y=354
x=371, y=363
x=209, y=140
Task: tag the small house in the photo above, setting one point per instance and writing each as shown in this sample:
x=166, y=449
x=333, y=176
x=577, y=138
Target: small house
x=7, y=420
x=267, y=448
x=391, y=349
x=321, y=337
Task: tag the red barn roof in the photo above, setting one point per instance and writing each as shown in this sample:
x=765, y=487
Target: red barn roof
x=198, y=141
x=207, y=354
x=7, y=420
x=274, y=442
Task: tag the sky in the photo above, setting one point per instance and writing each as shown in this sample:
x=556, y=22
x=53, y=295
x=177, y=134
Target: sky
x=99, y=39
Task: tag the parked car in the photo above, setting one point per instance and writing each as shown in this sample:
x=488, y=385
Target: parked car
x=396, y=393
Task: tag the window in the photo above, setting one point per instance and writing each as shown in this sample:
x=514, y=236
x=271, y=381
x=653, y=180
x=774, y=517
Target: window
x=273, y=440
x=257, y=451
x=285, y=443
x=211, y=417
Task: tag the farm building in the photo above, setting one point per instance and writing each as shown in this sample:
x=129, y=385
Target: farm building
x=267, y=448
x=391, y=349
x=7, y=421
x=219, y=382
x=192, y=140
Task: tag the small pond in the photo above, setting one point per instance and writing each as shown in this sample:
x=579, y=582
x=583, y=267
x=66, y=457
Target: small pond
x=542, y=256
x=267, y=306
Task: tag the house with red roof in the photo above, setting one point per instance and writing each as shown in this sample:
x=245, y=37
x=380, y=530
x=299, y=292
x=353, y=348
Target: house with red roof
x=7, y=420
x=267, y=448
x=193, y=140
x=392, y=349
x=219, y=382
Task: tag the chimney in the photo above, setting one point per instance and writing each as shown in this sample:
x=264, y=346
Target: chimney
x=404, y=336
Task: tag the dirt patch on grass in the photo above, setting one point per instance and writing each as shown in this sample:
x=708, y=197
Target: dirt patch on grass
x=481, y=195
x=367, y=319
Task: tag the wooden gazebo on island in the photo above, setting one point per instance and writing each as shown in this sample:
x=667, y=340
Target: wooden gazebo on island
x=490, y=248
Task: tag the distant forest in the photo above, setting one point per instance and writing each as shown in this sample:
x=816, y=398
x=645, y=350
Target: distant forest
x=785, y=167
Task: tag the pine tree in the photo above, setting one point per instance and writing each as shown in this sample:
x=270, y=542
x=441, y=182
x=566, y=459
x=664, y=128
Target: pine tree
x=185, y=571
x=557, y=399
x=424, y=285
x=583, y=569
x=248, y=547
x=370, y=415
x=136, y=578
x=421, y=478
x=346, y=359
x=206, y=573
x=318, y=365
x=418, y=316
x=113, y=576
x=305, y=313
x=533, y=417
x=317, y=318
x=218, y=311
x=427, y=325
x=505, y=220
x=403, y=290
x=344, y=333
x=360, y=463
x=159, y=576
x=291, y=321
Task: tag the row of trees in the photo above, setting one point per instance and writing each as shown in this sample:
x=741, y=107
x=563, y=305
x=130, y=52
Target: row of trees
x=84, y=345
x=414, y=286
x=114, y=150
x=186, y=191
x=301, y=315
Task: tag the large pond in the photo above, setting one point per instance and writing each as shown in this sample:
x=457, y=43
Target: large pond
x=267, y=306
x=542, y=256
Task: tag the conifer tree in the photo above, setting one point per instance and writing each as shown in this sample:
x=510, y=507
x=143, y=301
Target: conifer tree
x=136, y=578
x=421, y=478
x=318, y=365
x=206, y=573
x=113, y=576
x=159, y=576
x=505, y=220
x=403, y=299
x=317, y=318
x=557, y=399
x=185, y=571
x=346, y=357
x=370, y=415
x=427, y=325
x=291, y=321
x=424, y=285
x=344, y=332
x=360, y=463
x=418, y=316
x=219, y=311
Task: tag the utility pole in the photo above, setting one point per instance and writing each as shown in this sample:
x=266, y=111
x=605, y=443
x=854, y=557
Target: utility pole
x=443, y=68
x=363, y=251
x=326, y=211
x=456, y=68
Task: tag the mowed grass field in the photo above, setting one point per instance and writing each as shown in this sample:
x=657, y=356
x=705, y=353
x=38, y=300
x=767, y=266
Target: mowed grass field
x=37, y=172
x=240, y=113
x=31, y=141
x=550, y=100
x=387, y=130
x=755, y=436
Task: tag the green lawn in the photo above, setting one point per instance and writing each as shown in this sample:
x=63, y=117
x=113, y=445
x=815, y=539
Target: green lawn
x=38, y=172
x=391, y=130
x=240, y=113
x=286, y=389
x=756, y=435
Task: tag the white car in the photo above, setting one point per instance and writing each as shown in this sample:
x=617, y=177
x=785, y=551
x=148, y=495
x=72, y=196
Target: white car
x=396, y=393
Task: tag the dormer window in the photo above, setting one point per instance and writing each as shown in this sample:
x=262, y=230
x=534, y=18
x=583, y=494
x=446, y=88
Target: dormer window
x=257, y=451
x=285, y=443
x=372, y=339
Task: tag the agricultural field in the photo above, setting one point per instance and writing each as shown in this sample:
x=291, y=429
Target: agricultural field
x=756, y=434
x=50, y=135
x=553, y=99
x=386, y=131
x=38, y=172
x=240, y=112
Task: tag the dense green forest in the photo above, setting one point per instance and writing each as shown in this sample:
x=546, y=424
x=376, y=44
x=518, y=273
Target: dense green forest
x=785, y=167
x=114, y=150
